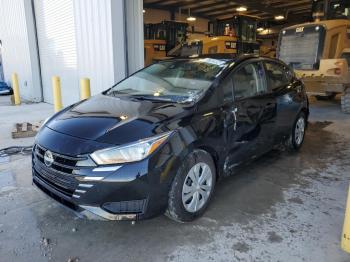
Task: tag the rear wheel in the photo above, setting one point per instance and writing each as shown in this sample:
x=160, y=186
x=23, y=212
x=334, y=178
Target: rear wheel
x=192, y=187
x=297, y=135
x=345, y=101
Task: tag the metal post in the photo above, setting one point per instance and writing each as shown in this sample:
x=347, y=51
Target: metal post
x=345, y=240
x=15, y=87
x=85, y=91
x=57, y=98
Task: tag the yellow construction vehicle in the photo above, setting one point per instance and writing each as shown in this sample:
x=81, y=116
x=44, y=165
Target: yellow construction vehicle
x=154, y=48
x=161, y=37
x=236, y=35
x=319, y=51
x=206, y=45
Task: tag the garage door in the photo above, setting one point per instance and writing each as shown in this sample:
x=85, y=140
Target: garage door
x=57, y=47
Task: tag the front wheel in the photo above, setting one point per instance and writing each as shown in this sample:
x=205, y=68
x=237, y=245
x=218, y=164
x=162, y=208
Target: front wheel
x=297, y=135
x=192, y=187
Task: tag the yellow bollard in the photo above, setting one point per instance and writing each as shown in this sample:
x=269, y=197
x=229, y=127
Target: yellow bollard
x=57, y=98
x=85, y=91
x=345, y=240
x=15, y=87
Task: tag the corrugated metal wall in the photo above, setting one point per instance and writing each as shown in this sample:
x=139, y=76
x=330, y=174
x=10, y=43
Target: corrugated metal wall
x=57, y=47
x=134, y=28
x=76, y=40
x=18, y=49
x=93, y=20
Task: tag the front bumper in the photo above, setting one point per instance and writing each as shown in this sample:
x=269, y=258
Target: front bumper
x=128, y=192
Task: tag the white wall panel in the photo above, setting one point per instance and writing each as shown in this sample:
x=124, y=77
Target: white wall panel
x=19, y=50
x=135, y=37
x=95, y=43
x=76, y=38
x=57, y=47
x=80, y=38
x=119, y=39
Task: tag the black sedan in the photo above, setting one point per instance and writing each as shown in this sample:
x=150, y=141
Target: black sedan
x=158, y=141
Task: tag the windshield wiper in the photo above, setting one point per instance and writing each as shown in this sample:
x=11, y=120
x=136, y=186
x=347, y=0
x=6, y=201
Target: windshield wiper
x=152, y=98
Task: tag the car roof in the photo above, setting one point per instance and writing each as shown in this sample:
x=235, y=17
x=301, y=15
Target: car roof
x=224, y=57
x=228, y=58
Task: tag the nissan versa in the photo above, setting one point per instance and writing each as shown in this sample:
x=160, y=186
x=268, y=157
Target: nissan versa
x=158, y=141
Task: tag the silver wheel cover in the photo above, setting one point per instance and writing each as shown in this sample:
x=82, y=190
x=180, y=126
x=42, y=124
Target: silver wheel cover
x=197, y=187
x=299, y=131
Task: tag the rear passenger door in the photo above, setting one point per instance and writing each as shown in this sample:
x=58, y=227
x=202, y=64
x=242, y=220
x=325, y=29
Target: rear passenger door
x=255, y=111
x=280, y=82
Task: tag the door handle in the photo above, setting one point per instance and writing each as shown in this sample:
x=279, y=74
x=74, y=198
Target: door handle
x=234, y=111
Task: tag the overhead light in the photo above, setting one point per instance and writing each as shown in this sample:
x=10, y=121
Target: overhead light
x=260, y=29
x=190, y=18
x=279, y=17
x=143, y=11
x=241, y=9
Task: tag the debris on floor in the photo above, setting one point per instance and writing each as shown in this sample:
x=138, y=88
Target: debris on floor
x=25, y=129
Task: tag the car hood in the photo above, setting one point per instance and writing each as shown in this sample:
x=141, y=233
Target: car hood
x=117, y=120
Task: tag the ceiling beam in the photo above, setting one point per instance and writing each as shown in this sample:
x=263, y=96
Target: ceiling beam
x=174, y=9
x=259, y=6
x=203, y=4
x=214, y=6
x=211, y=9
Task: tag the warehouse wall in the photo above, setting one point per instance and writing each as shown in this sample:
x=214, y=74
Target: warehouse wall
x=19, y=52
x=135, y=37
x=154, y=16
x=80, y=38
x=95, y=42
x=76, y=38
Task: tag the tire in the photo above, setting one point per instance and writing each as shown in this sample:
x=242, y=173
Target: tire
x=345, y=101
x=296, y=138
x=180, y=202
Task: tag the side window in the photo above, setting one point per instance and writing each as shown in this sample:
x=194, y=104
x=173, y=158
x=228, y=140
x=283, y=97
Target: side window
x=227, y=88
x=347, y=57
x=276, y=75
x=249, y=81
x=333, y=46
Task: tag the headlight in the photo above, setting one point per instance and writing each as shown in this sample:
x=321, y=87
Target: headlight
x=129, y=153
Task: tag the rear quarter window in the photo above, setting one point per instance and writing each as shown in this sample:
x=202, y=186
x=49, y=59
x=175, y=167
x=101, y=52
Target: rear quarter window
x=277, y=75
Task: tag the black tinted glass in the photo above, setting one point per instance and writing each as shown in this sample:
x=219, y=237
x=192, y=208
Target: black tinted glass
x=277, y=75
x=249, y=81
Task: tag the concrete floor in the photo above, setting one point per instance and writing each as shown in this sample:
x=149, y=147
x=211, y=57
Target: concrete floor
x=283, y=207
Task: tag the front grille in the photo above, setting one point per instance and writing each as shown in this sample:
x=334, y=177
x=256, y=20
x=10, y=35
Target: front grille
x=56, y=197
x=64, y=186
x=125, y=207
x=62, y=164
x=60, y=175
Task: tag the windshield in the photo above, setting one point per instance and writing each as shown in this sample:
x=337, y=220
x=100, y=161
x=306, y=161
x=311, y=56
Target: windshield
x=300, y=48
x=339, y=9
x=177, y=80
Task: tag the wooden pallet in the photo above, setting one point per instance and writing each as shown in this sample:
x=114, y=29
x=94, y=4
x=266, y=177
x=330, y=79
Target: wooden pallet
x=25, y=129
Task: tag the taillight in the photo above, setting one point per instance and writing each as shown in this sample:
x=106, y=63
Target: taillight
x=337, y=71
